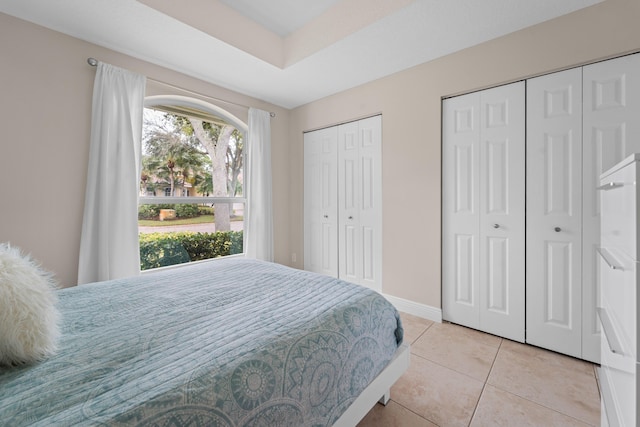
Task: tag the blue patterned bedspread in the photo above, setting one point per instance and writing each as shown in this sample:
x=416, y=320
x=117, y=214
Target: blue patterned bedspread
x=231, y=342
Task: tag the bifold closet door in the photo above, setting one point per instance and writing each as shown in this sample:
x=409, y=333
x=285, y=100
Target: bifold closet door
x=359, y=202
x=461, y=210
x=321, y=201
x=611, y=132
x=483, y=210
x=554, y=212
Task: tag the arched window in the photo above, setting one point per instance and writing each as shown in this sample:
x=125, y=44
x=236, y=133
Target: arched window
x=192, y=198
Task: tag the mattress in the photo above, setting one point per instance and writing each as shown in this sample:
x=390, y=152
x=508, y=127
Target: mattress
x=231, y=342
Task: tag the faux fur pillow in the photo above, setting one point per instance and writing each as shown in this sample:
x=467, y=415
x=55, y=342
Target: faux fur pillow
x=28, y=315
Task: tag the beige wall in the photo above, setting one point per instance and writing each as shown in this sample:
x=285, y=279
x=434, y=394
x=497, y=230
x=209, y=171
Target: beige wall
x=45, y=111
x=410, y=104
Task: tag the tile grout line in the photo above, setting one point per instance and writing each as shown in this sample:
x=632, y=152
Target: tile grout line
x=484, y=384
x=422, y=333
x=533, y=402
x=450, y=369
x=540, y=404
x=595, y=374
x=454, y=369
x=412, y=411
x=447, y=367
x=413, y=354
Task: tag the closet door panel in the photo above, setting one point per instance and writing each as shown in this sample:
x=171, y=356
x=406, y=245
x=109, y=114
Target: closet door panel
x=370, y=190
x=498, y=259
x=501, y=225
x=464, y=288
x=483, y=210
x=360, y=199
x=343, y=202
x=349, y=235
x=321, y=201
x=611, y=131
x=460, y=210
x=349, y=253
x=369, y=261
x=554, y=212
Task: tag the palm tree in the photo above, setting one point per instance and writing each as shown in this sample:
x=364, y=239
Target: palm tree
x=145, y=176
x=170, y=154
x=204, y=183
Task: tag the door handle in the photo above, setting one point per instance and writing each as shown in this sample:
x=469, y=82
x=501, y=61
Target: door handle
x=609, y=332
x=496, y=225
x=607, y=257
x=557, y=229
x=610, y=186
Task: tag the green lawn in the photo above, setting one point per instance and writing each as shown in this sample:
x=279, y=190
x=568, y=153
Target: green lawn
x=155, y=223
x=202, y=219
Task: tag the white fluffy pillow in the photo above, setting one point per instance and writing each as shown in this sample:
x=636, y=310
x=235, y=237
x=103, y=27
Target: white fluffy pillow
x=28, y=315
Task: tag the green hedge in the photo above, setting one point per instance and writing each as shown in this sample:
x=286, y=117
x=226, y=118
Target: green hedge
x=163, y=249
x=183, y=210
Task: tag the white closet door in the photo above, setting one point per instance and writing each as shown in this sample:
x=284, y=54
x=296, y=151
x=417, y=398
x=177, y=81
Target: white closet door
x=370, y=137
x=502, y=204
x=460, y=209
x=360, y=198
x=349, y=235
x=483, y=210
x=554, y=212
x=321, y=201
x=611, y=132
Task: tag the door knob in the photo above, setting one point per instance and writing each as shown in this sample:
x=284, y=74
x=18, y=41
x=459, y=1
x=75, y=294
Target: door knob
x=326, y=216
x=557, y=229
x=350, y=217
x=496, y=225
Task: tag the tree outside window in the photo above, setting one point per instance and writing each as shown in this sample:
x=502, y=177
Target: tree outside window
x=201, y=162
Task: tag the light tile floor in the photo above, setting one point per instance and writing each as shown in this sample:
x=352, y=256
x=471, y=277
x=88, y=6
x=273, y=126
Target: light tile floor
x=462, y=377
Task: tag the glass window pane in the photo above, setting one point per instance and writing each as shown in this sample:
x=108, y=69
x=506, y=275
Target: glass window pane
x=179, y=233
x=186, y=156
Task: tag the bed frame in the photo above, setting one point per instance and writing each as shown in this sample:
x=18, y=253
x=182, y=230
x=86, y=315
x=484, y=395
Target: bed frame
x=378, y=391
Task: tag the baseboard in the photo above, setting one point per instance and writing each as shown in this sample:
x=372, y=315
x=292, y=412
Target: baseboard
x=416, y=309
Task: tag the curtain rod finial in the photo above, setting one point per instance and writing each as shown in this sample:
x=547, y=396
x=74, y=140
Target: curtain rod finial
x=92, y=61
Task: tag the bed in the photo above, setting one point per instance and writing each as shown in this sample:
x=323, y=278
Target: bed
x=231, y=342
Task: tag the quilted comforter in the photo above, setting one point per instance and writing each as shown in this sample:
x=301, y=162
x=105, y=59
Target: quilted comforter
x=231, y=342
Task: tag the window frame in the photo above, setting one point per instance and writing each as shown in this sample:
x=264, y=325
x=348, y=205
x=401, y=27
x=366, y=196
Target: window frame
x=193, y=103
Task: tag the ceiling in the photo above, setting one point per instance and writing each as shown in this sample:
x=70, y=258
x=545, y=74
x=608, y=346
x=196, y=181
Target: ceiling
x=282, y=17
x=288, y=52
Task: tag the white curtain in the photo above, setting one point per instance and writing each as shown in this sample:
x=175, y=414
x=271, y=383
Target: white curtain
x=109, y=240
x=258, y=227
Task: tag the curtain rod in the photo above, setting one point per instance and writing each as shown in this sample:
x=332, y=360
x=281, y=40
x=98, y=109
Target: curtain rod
x=94, y=62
